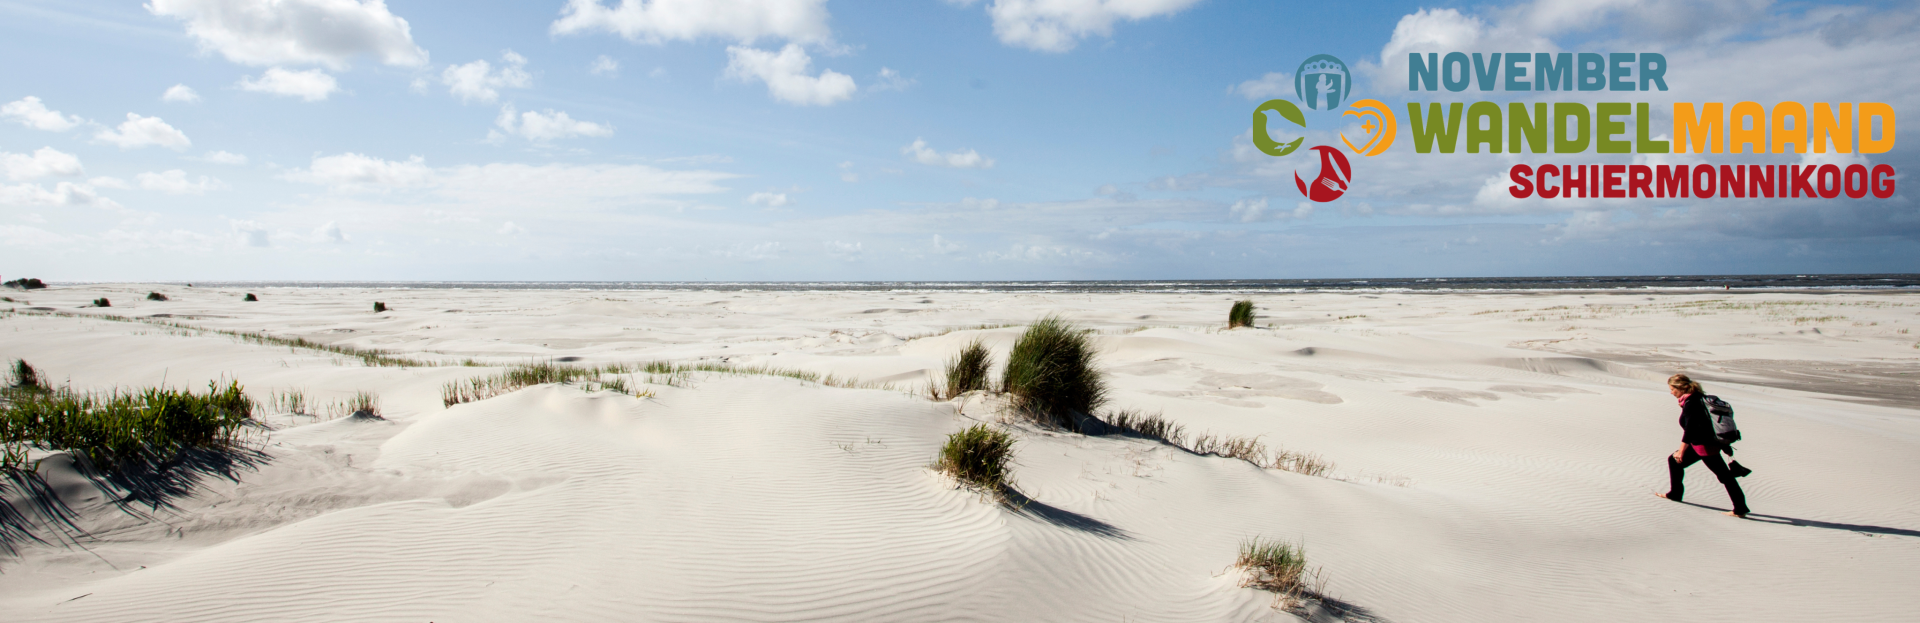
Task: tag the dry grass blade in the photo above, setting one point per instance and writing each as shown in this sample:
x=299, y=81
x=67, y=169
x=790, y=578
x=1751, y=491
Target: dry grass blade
x=1279, y=567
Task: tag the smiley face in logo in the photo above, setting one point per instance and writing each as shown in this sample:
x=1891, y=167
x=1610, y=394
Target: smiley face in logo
x=1378, y=123
x=1334, y=178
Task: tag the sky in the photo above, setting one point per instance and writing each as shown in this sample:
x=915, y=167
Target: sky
x=671, y=140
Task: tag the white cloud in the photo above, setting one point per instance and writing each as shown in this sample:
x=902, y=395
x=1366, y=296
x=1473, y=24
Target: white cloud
x=786, y=75
x=477, y=80
x=140, y=131
x=541, y=126
x=41, y=163
x=311, y=85
x=28, y=111
x=508, y=229
x=224, y=157
x=890, y=80
x=519, y=185
x=175, y=182
x=605, y=66
x=108, y=182
x=844, y=250
x=771, y=200
x=63, y=194
x=968, y=159
x=180, y=93
x=273, y=32
x=330, y=233
x=1059, y=25
x=350, y=171
x=943, y=247
x=249, y=233
x=1270, y=86
x=847, y=174
x=660, y=21
x=1254, y=210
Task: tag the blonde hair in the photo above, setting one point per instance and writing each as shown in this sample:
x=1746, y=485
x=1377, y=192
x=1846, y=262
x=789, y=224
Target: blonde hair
x=1683, y=383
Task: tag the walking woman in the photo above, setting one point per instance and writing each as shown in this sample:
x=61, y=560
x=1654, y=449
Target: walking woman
x=1698, y=444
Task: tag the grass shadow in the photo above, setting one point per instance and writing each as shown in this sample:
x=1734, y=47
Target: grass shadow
x=1019, y=503
x=129, y=486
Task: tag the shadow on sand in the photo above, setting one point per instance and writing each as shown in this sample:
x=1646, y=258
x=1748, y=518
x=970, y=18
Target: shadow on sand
x=1809, y=523
x=1019, y=503
x=31, y=501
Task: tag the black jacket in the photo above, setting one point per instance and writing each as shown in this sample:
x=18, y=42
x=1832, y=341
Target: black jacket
x=1696, y=423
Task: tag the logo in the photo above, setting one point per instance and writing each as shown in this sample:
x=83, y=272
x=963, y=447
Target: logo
x=1322, y=75
x=1334, y=176
x=1266, y=143
x=1377, y=122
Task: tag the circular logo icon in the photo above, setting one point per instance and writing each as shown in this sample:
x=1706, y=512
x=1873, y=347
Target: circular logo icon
x=1322, y=82
x=1263, y=140
x=1334, y=178
x=1378, y=124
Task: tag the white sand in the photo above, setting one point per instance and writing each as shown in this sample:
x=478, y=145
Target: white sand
x=1492, y=465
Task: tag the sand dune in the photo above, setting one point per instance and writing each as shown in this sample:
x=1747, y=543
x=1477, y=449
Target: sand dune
x=1495, y=459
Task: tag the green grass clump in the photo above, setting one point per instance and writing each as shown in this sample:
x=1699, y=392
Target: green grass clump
x=364, y=405
x=22, y=376
x=978, y=457
x=115, y=428
x=156, y=296
x=379, y=307
x=1241, y=315
x=1051, y=376
x=967, y=371
x=102, y=302
x=1277, y=566
x=250, y=298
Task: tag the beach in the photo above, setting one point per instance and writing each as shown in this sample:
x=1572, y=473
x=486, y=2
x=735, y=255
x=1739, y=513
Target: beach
x=1494, y=457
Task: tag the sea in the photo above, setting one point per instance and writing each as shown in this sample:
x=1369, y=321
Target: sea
x=1390, y=284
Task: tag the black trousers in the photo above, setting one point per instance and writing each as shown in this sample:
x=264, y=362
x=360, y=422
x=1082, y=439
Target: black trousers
x=1677, y=471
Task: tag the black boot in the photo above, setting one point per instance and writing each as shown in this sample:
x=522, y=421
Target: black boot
x=1737, y=469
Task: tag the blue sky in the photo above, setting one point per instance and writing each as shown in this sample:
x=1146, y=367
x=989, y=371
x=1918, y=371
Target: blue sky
x=815, y=139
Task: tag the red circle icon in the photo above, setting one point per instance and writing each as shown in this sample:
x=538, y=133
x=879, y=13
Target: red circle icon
x=1334, y=179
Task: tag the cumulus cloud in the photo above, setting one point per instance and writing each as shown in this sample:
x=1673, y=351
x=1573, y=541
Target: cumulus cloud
x=249, y=233
x=1273, y=85
x=769, y=199
x=351, y=171
x=175, y=182
x=477, y=81
x=311, y=85
x=275, y=32
x=43, y=162
x=28, y=111
x=224, y=157
x=140, y=131
x=330, y=234
x=848, y=251
x=1058, y=26
x=509, y=228
x=180, y=93
x=605, y=66
x=542, y=126
x=659, y=21
x=890, y=80
x=1255, y=210
x=969, y=159
x=63, y=194
x=786, y=75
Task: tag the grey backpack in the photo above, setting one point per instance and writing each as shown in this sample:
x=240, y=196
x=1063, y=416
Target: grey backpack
x=1722, y=415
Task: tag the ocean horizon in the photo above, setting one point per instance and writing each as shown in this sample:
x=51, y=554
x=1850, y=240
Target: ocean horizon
x=1629, y=282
